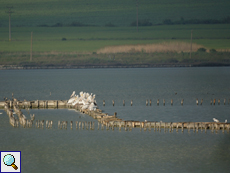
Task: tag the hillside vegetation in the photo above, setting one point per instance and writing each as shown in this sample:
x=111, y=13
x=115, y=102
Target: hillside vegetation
x=104, y=33
x=109, y=12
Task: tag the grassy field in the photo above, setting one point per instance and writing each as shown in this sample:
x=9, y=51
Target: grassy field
x=83, y=45
x=102, y=12
x=91, y=39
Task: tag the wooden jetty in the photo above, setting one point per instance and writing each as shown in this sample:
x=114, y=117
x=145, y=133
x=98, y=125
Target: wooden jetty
x=110, y=121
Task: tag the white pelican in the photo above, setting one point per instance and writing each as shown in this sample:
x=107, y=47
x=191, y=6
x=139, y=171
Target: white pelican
x=92, y=107
x=216, y=120
x=72, y=94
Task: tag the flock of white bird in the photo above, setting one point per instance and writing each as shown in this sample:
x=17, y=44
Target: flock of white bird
x=85, y=99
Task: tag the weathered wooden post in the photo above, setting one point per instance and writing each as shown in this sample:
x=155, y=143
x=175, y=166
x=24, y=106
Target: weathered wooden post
x=71, y=125
x=212, y=128
x=102, y=126
x=201, y=102
x=158, y=102
x=197, y=102
x=214, y=102
x=163, y=102
x=177, y=124
x=113, y=102
x=83, y=125
x=87, y=125
x=182, y=102
x=218, y=101
x=93, y=125
x=98, y=125
x=211, y=102
x=37, y=103
x=79, y=125
x=123, y=102
x=171, y=102
x=223, y=127
x=224, y=101
x=147, y=102
x=115, y=114
x=188, y=126
x=119, y=124
x=150, y=102
x=160, y=126
x=149, y=126
x=131, y=102
x=47, y=123
x=103, y=102
x=126, y=127
x=182, y=126
x=11, y=104
x=59, y=123
x=145, y=126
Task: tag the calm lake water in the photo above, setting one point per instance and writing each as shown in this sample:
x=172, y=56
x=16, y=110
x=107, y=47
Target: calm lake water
x=55, y=150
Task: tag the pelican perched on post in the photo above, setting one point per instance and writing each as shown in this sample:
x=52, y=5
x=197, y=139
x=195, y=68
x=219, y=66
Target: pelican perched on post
x=216, y=120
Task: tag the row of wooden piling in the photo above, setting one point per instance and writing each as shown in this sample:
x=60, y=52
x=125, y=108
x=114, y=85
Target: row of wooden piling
x=78, y=124
x=149, y=102
x=35, y=104
x=110, y=121
x=63, y=103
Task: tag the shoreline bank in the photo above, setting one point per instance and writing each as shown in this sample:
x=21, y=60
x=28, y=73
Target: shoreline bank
x=25, y=67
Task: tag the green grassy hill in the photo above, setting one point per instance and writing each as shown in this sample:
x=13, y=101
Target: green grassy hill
x=102, y=12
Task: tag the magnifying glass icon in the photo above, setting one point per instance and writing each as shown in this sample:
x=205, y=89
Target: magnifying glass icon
x=9, y=160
